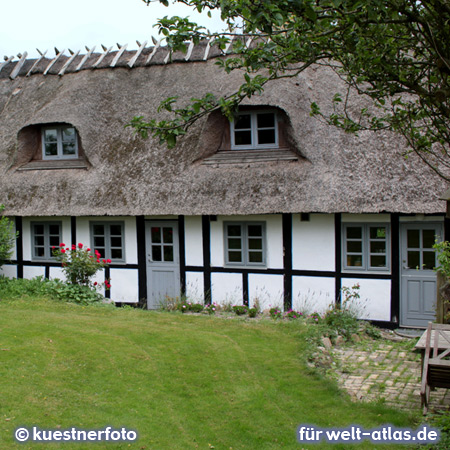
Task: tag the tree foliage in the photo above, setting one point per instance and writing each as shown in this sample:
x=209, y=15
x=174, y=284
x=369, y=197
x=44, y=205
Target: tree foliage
x=7, y=237
x=394, y=52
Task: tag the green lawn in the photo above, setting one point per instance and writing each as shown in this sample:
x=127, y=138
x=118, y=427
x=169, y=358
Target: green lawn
x=182, y=382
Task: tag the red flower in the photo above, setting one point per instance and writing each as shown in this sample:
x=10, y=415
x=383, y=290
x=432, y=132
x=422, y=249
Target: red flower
x=108, y=261
x=97, y=253
x=63, y=251
x=98, y=260
x=88, y=250
x=62, y=245
x=73, y=247
x=104, y=261
x=80, y=245
x=95, y=284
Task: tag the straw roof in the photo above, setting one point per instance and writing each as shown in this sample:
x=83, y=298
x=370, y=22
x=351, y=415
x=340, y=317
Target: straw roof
x=323, y=170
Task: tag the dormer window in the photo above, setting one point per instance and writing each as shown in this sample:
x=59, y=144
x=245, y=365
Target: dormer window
x=254, y=130
x=59, y=142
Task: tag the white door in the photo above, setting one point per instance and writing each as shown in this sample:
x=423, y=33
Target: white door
x=418, y=279
x=163, y=268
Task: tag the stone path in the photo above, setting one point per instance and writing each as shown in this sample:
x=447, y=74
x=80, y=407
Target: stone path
x=382, y=370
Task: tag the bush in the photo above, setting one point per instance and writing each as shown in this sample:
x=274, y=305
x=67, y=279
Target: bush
x=75, y=293
x=7, y=237
x=441, y=420
x=276, y=313
x=210, y=308
x=185, y=306
x=291, y=314
x=19, y=288
x=240, y=310
x=315, y=317
x=341, y=322
x=253, y=312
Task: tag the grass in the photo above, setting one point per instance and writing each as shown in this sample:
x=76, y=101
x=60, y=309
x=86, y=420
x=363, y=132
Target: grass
x=180, y=381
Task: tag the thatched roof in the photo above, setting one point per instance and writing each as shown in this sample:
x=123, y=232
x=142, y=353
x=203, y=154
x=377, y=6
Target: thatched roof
x=125, y=175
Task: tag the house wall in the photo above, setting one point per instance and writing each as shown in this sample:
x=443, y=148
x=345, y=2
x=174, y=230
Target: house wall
x=303, y=267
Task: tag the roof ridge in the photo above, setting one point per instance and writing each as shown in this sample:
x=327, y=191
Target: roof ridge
x=144, y=55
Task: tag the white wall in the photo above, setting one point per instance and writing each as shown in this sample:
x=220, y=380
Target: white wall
x=366, y=218
x=311, y=294
x=375, y=298
x=313, y=246
x=226, y=288
x=124, y=285
x=274, y=238
x=268, y=289
x=194, y=287
x=30, y=272
x=83, y=234
x=26, y=224
x=193, y=239
x=9, y=271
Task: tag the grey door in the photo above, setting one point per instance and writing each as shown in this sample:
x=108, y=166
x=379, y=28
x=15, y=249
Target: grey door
x=163, y=269
x=418, y=279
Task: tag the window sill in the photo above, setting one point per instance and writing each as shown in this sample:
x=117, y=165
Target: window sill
x=250, y=156
x=54, y=164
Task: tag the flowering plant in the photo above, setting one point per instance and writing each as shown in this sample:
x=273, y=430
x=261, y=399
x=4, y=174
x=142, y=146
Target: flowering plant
x=275, y=313
x=211, y=308
x=240, y=310
x=79, y=265
x=291, y=314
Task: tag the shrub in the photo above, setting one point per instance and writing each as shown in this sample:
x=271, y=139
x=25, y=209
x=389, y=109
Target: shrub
x=291, y=314
x=20, y=288
x=240, y=310
x=7, y=237
x=276, y=313
x=185, y=306
x=441, y=420
x=210, y=308
x=79, y=265
x=315, y=317
x=253, y=312
x=75, y=293
x=341, y=322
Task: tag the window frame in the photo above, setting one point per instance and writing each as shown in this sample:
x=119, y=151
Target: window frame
x=107, y=235
x=59, y=142
x=47, y=246
x=254, y=131
x=365, y=247
x=245, y=244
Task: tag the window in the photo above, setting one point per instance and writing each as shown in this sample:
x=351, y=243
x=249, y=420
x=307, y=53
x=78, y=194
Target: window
x=107, y=238
x=59, y=142
x=245, y=243
x=254, y=130
x=366, y=247
x=44, y=236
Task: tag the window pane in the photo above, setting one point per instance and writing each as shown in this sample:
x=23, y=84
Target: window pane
x=255, y=257
x=69, y=148
x=354, y=260
x=242, y=122
x=68, y=134
x=377, y=261
x=377, y=232
x=167, y=235
x=99, y=241
x=39, y=252
x=51, y=135
x=115, y=230
x=266, y=137
x=354, y=232
x=38, y=229
x=377, y=247
x=39, y=240
x=234, y=244
x=234, y=230
x=354, y=246
x=413, y=259
x=168, y=253
x=428, y=238
x=242, y=138
x=429, y=260
x=116, y=242
x=116, y=253
x=156, y=235
x=51, y=149
x=255, y=230
x=54, y=241
x=156, y=253
x=413, y=237
x=234, y=256
x=98, y=230
x=255, y=244
x=266, y=120
x=53, y=229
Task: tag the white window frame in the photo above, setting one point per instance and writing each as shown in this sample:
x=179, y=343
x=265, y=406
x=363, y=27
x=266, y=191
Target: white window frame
x=365, y=247
x=107, y=236
x=245, y=244
x=48, y=256
x=254, y=131
x=59, y=142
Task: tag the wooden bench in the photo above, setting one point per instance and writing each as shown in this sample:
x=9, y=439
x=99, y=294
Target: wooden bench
x=436, y=363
